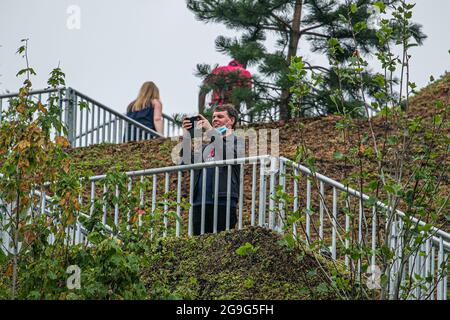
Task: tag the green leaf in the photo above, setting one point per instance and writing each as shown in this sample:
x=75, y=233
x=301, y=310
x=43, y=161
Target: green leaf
x=386, y=252
x=21, y=50
x=437, y=119
x=21, y=72
x=379, y=79
x=392, y=140
x=289, y=240
x=312, y=273
x=338, y=155
x=360, y=26
x=333, y=42
x=322, y=288
x=95, y=237
x=384, y=279
x=353, y=8
x=425, y=228
x=373, y=185
x=51, y=275
x=245, y=249
x=249, y=283
x=380, y=5
x=379, y=95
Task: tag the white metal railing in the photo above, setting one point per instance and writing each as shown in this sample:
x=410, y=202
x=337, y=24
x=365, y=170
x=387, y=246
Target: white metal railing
x=89, y=122
x=325, y=210
x=333, y=224
x=161, y=178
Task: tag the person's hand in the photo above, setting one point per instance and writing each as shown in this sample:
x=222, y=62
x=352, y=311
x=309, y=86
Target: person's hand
x=203, y=123
x=186, y=124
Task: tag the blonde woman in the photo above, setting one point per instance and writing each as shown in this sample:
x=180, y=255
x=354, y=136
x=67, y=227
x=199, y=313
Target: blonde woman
x=146, y=109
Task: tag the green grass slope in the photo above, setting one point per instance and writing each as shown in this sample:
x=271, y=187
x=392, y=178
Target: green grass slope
x=209, y=267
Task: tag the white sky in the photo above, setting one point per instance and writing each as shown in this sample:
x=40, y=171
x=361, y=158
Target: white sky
x=121, y=44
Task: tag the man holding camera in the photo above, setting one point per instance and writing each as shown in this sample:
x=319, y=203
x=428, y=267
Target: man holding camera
x=222, y=145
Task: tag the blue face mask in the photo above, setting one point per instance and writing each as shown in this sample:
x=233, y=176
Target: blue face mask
x=222, y=130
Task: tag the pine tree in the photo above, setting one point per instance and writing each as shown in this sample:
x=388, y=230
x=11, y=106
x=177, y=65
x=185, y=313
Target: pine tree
x=292, y=22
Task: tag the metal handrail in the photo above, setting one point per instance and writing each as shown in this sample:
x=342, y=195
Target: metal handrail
x=121, y=115
x=342, y=187
x=170, y=169
x=185, y=167
x=118, y=116
x=427, y=259
x=168, y=118
x=115, y=113
x=34, y=92
x=436, y=239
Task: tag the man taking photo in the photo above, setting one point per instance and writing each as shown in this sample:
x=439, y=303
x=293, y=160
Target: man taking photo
x=222, y=145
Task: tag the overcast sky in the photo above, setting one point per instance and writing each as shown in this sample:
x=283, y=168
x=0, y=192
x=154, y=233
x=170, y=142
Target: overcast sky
x=120, y=44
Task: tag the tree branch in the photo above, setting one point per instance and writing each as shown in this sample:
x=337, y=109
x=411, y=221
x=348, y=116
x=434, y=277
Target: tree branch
x=311, y=28
x=284, y=23
x=316, y=34
x=271, y=28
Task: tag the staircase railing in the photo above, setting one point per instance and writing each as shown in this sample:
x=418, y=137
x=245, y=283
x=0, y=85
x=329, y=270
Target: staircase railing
x=90, y=122
x=331, y=216
x=344, y=217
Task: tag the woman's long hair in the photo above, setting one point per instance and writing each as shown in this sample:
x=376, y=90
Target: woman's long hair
x=148, y=92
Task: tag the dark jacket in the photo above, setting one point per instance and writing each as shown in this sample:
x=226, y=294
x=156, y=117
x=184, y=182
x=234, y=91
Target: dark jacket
x=223, y=170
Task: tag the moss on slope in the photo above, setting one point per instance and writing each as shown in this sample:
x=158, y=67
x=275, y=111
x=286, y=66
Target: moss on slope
x=208, y=267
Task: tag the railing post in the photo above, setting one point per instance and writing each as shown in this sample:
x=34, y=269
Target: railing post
x=282, y=181
x=262, y=193
x=69, y=115
x=272, y=195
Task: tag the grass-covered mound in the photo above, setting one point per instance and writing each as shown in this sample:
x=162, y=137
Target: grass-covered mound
x=251, y=263
x=422, y=103
x=240, y=264
x=319, y=134
x=324, y=140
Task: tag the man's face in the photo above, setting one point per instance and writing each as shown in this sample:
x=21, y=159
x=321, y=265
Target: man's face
x=221, y=118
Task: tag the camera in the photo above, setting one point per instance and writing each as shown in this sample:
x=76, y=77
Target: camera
x=192, y=120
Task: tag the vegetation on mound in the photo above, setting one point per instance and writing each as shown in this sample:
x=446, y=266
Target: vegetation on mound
x=98, y=159
x=397, y=157
x=319, y=134
x=321, y=137
x=251, y=263
x=421, y=104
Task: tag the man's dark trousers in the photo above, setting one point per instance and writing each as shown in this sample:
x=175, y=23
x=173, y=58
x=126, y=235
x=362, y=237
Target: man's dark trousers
x=209, y=218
